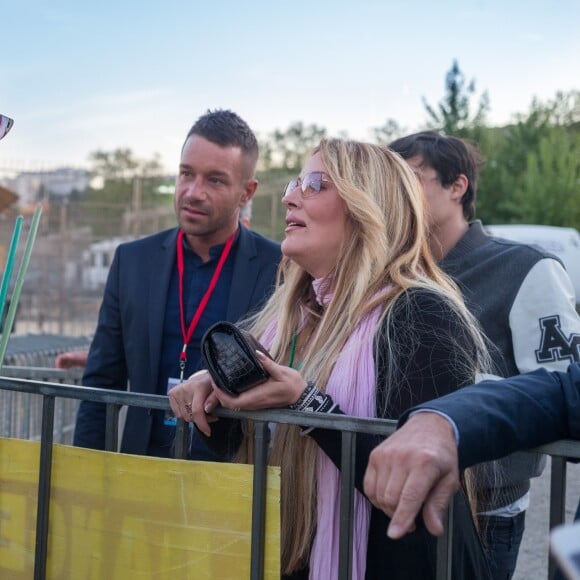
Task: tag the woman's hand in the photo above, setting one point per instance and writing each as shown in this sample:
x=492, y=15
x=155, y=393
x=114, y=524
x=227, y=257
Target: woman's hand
x=194, y=400
x=283, y=388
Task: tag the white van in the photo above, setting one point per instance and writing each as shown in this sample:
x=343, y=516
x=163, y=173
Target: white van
x=562, y=242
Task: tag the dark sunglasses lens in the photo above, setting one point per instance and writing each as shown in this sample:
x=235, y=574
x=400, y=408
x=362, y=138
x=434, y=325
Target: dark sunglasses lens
x=5, y=125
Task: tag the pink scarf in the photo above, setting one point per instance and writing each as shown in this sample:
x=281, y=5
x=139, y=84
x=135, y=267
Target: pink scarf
x=352, y=385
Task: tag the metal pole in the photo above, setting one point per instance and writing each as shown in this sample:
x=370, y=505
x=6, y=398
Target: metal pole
x=345, y=541
x=557, y=501
x=445, y=547
x=42, y=513
x=182, y=434
x=259, y=501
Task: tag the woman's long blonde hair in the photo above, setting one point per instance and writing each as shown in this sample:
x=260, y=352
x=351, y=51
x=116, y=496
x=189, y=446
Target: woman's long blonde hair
x=388, y=248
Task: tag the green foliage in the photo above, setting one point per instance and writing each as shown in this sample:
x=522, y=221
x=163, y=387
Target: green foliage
x=121, y=165
x=453, y=114
x=548, y=191
x=388, y=132
x=289, y=149
x=128, y=184
x=268, y=212
x=532, y=171
x=532, y=174
x=533, y=166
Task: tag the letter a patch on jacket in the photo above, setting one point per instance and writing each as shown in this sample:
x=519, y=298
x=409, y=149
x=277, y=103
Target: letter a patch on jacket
x=554, y=345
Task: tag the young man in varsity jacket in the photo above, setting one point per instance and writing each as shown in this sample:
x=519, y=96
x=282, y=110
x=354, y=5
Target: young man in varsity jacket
x=522, y=297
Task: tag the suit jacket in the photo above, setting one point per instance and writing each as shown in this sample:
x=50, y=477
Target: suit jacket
x=127, y=344
x=497, y=418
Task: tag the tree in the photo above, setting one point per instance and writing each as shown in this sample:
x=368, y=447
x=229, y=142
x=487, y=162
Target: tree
x=121, y=165
x=289, y=149
x=388, y=132
x=533, y=166
x=129, y=188
x=453, y=114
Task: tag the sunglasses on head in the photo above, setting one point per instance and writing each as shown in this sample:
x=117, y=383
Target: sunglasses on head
x=5, y=125
x=311, y=184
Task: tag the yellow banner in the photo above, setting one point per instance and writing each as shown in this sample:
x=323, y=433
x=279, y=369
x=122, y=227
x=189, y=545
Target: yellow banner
x=126, y=517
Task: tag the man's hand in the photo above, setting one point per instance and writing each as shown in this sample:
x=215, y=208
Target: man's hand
x=68, y=360
x=414, y=467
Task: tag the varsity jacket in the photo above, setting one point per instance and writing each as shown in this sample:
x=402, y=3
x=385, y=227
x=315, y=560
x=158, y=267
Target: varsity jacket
x=525, y=303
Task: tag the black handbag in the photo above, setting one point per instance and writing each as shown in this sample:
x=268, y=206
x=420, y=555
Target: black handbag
x=230, y=357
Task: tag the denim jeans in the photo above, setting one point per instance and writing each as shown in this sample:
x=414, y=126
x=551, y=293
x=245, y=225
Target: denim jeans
x=503, y=538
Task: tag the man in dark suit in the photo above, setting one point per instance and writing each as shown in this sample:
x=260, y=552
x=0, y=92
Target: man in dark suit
x=418, y=466
x=165, y=290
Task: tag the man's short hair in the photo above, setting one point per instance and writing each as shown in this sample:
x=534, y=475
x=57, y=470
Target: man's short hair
x=226, y=129
x=449, y=157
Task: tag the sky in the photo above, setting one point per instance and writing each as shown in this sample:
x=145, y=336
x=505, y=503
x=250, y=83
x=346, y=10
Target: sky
x=80, y=76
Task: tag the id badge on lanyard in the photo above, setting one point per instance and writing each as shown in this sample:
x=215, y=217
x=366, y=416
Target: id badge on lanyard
x=170, y=419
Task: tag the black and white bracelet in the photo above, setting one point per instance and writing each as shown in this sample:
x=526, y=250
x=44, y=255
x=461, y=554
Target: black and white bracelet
x=313, y=400
x=304, y=397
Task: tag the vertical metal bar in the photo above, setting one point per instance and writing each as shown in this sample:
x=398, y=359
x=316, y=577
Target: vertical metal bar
x=112, y=427
x=259, y=501
x=4, y=412
x=36, y=404
x=28, y=415
x=42, y=513
x=18, y=412
x=445, y=547
x=345, y=540
x=7, y=413
x=59, y=421
x=182, y=434
x=16, y=415
x=557, y=501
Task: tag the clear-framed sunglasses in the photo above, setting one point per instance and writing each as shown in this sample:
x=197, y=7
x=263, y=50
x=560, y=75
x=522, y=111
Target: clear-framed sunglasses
x=311, y=184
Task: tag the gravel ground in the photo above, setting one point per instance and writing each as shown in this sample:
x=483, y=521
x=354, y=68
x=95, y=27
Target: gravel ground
x=533, y=557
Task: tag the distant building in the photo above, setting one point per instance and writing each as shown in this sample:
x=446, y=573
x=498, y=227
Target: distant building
x=32, y=186
x=96, y=262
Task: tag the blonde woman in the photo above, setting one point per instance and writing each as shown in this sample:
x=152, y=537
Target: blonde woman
x=362, y=315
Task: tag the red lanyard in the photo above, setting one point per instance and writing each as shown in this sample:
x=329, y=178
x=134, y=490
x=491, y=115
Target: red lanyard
x=187, y=334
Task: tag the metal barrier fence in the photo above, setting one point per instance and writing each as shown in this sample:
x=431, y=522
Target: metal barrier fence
x=38, y=384
x=21, y=414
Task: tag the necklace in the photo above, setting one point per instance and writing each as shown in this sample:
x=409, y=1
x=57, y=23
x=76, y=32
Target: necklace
x=292, y=350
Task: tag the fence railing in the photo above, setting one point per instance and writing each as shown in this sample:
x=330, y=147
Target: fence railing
x=40, y=383
x=21, y=413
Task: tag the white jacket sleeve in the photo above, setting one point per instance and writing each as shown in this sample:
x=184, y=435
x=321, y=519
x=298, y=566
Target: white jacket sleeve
x=543, y=320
